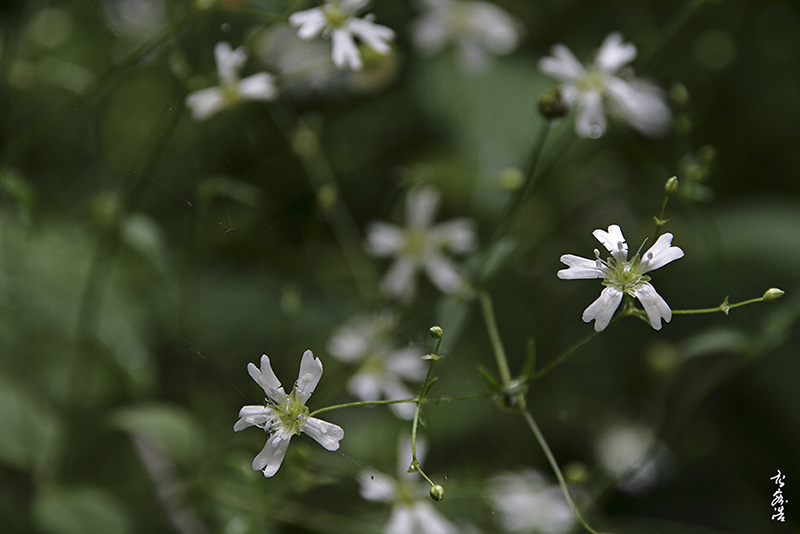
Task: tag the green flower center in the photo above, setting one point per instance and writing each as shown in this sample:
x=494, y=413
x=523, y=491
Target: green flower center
x=414, y=244
x=624, y=275
x=291, y=413
x=335, y=16
x=592, y=81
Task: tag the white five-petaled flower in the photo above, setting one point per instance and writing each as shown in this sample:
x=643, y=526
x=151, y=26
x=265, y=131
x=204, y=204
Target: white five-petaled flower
x=527, y=503
x=421, y=245
x=600, y=88
x=622, y=276
x=284, y=415
x=337, y=19
x=383, y=367
x=478, y=29
x=207, y=102
x=412, y=509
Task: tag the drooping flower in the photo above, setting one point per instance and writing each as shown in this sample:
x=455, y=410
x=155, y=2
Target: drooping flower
x=528, y=504
x=622, y=276
x=337, y=19
x=207, y=102
x=412, y=509
x=477, y=29
x=284, y=415
x=601, y=88
x=366, y=340
x=421, y=245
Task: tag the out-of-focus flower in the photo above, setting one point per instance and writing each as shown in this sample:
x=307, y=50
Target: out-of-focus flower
x=421, y=245
x=207, y=102
x=528, y=504
x=383, y=367
x=622, y=276
x=284, y=415
x=632, y=455
x=337, y=19
x=412, y=510
x=477, y=29
x=601, y=88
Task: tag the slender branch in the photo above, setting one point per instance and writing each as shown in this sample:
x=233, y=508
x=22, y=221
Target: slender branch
x=494, y=337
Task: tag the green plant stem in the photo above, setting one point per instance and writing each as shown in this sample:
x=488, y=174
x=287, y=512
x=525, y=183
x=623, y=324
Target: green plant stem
x=323, y=182
x=572, y=350
x=724, y=307
x=526, y=413
x=494, y=337
x=434, y=400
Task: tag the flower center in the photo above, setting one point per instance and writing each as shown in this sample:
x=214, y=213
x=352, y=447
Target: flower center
x=624, y=275
x=414, y=243
x=292, y=413
x=335, y=16
x=592, y=81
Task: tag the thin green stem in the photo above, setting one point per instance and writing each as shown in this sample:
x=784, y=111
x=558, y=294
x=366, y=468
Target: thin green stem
x=494, y=337
x=526, y=413
x=725, y=307
x=360, y=404
x=572, y=350
x=306, y=144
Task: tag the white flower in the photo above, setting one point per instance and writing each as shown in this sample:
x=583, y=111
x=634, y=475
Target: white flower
x=284, y=415
x=420, y=246
x=621, y=276
x=382, y=366
x=412, y=511
x=478, y=30
x=528, y=504
x=636, y=102
x=207, y=102
x=337, y=19
x=632, y=455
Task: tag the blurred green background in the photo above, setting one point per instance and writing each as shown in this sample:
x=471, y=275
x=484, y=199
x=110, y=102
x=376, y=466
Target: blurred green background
x=145, y=259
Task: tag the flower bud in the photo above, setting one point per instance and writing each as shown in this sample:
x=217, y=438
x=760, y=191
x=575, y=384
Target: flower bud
x=671, y=186
x=552, y=105
x=772, y=293
x=437, y=493
x=436, y=332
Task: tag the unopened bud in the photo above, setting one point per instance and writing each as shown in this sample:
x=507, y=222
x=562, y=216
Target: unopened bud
x=671, y=186
x=552, y=105
x=437, y=493
x=436, y=332
x=772, y=293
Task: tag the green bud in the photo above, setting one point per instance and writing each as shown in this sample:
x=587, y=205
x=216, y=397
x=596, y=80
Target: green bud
x=576, y=473
x=772, y=293
x=552, y=105
x=436, y=332
x=671, y=186
x=511, y=179
x=437, y=493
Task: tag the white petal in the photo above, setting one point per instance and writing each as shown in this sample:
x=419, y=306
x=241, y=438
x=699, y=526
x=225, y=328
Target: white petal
x=229, y=62
x=309, y=23
x=401, y=521
x=266, y=378
x=579, y=268
x=205, y=103
x=384, y=239
x=325, y=433
x=614, y=54
x=655, y=306
x=601, y=310
x=640, y=104
x=421, y=206
x=377, y=486
x=365, y=386
x=591, y=120
x=271, y=456
x=345, y=52
x=308, y=378
x=430, y=521
x=258, y=87
x=374, y=35
x=443, y=273
x=348, y=344
x=260, y=416
x=562, y=65
x=497, y=31
x=660, y=254
x=399, y=280
x=614, y=241
x=458, y=235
